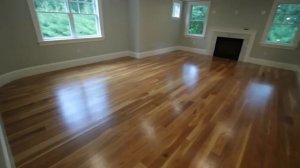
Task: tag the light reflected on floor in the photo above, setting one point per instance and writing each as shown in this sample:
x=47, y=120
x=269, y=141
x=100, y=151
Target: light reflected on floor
x=177, y=107
x=170, y=83
x=98, y=161
x=81, y=104
x=259, y=93
x=149, y=130
x=190, y=75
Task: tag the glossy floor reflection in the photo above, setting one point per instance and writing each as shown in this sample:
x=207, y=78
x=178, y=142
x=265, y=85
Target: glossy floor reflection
x=177, y=110
x=83, y=102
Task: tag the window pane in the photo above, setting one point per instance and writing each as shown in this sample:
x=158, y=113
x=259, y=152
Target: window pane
x=85, y=24
x=292, y=9
x=198, y=12
x=74, y=7
x=54, y=25
x=286, y=19
x=176, y=9
x=282, y=34
x=196, y=27
x=86, y=8
x=50, y=5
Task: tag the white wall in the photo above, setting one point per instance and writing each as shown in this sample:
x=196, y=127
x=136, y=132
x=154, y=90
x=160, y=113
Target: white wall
x=152, y=26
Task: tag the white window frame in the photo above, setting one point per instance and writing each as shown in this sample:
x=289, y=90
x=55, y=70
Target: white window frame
x=272, y=14
x=173, y=14
x=72, y=39
x=188, y=15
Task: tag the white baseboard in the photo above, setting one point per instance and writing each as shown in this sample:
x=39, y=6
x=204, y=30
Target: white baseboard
x=193, y=50
x=14, y=75
x=140, y=55
x=275, y=64
x=166, y=50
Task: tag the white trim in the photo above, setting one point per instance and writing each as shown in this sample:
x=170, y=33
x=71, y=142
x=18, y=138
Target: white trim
x=144, y=54
x=68, y=41
x=268, y=27
x=280, y=46
x=21, y=73
x=193, y=36
x=7, y=157
x=188, y=15
x=194, y=50
x=139, y=55
x=247, y=35
x=275, y=64
x=73, y=38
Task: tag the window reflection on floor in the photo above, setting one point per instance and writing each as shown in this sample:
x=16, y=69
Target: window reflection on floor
x=81, y=104
x=259, y=93
x=190, y=75
x=149, y=130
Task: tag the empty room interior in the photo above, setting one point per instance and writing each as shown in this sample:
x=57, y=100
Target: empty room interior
x=150, y=84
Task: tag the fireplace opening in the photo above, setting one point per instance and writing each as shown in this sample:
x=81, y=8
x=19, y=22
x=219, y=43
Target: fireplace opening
x=229, y=48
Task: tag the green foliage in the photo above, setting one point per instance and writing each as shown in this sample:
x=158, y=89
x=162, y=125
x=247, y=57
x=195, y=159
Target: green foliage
x=199, y=12
x=285, y=24
x=196, y=27
x=84, y=8
x=56, y=23
x=282, y=34
x=197, y=18
x=50, y=5
x=85, y=25
x=291, y=9
x=286, y=19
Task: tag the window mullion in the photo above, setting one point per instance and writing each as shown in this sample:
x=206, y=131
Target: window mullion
x=97, y=13
x=98, y=24
x=71, y=18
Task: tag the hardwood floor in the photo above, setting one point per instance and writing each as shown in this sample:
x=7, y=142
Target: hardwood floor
x=176, y=110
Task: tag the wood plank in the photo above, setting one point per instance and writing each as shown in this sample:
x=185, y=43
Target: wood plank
x=178, y=109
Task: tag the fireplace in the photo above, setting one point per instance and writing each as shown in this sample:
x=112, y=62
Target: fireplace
x=248, y=37
x=229, y=48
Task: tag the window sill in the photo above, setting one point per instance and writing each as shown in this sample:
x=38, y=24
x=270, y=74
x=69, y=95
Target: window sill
x=68, y=41
x=175, y=18
x=195, y=36
x=280, y=46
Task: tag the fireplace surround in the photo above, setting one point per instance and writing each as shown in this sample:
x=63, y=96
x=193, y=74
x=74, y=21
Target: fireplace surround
x=248, y=37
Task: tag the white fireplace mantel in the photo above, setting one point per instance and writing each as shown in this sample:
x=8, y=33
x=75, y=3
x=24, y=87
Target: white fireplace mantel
x=247, y=35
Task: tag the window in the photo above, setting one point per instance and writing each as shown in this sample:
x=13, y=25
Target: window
x=283, y=27
x=176, y=9
x=196, y=20
x=59, y=20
